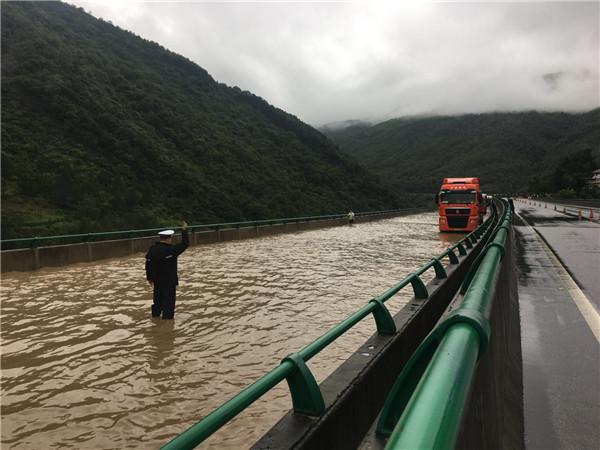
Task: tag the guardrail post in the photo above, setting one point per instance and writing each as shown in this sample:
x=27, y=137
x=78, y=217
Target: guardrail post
x=88, y=246
x=36, y=253
x=306, y=395
x=440, y=272
x=467, y=242
x=383, y=318
x=419, y=288
x=452, y=256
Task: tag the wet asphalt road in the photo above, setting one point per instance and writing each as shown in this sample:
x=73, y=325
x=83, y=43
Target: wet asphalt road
x=576, y=242
x=561, y=358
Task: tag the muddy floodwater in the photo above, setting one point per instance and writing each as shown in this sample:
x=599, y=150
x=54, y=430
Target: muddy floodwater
x=84, y=365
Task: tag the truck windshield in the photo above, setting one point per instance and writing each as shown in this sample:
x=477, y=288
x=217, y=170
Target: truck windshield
x=460, y=197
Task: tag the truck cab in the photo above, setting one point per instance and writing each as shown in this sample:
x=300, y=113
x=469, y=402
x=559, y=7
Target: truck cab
x=483, y=204
x=459, y=204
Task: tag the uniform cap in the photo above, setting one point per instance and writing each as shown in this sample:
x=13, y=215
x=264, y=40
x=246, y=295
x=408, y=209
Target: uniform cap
x=166, y=233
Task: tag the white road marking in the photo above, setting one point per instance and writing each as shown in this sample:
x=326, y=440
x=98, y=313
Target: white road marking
x=584, y=305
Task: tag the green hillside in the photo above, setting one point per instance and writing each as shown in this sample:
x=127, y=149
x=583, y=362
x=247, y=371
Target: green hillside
x=104, y=130
x=505, y=150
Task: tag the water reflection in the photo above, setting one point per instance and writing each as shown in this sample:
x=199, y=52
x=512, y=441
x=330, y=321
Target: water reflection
x=450, y=238
x=84, y=365
x=161, y=341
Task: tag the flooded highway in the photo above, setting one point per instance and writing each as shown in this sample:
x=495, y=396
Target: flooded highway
x=84, y=365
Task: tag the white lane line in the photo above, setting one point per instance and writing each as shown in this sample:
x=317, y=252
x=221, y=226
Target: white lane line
x=584, y=305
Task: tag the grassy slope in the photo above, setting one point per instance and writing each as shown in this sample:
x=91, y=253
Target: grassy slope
x=102, y=129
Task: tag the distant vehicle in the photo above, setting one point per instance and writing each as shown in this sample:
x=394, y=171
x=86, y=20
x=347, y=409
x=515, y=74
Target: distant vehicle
x=459, y=204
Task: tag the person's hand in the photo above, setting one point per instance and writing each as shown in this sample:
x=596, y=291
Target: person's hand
x=184, y=225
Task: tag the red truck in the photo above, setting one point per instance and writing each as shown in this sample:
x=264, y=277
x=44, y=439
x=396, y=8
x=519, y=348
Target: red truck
x=484, y=202
x=460, y=204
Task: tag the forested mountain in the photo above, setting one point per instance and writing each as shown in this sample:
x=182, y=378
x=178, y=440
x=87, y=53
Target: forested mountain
x=507, y=151
x=104, y=130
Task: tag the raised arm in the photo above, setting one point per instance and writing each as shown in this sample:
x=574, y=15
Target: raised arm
x=178, y=249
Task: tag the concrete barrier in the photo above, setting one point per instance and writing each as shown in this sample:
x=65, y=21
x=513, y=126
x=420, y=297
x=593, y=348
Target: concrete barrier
x=143, y=244
x=110, y=249
x=59, y=255
x=280, y=228
x=304, y=226
x=206, y=237
x=494, y=415
x=229, y=234
x=21, y=260
x=247, y=232
x=354, y=393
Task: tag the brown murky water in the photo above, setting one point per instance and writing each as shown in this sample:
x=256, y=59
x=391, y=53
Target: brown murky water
x=84, y=366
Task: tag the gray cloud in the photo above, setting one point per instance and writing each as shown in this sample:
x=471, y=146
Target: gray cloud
x=334, y=61
x=552, y=80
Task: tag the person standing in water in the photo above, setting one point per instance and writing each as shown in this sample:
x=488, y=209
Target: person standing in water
x=350, y=217
x=161, y=271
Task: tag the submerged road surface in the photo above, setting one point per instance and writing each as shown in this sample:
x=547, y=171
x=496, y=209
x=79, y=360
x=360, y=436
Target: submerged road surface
x=84, y=366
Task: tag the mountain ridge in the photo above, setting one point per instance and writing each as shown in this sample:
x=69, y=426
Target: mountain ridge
x=102, y=129
x=506, y=150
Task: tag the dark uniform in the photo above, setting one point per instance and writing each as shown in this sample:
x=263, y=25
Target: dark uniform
x=161, y=270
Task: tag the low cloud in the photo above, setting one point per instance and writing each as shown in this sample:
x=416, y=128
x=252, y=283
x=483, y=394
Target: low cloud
x=327, y=62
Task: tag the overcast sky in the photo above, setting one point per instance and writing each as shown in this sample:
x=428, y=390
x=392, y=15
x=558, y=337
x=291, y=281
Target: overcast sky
x=327, y=62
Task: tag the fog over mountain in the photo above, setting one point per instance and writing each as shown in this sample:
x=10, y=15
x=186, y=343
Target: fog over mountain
x=330, y=62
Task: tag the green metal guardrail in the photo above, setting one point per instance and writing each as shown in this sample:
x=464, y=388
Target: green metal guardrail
x=305, y=392
x=425, y=406
x=36, y=241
